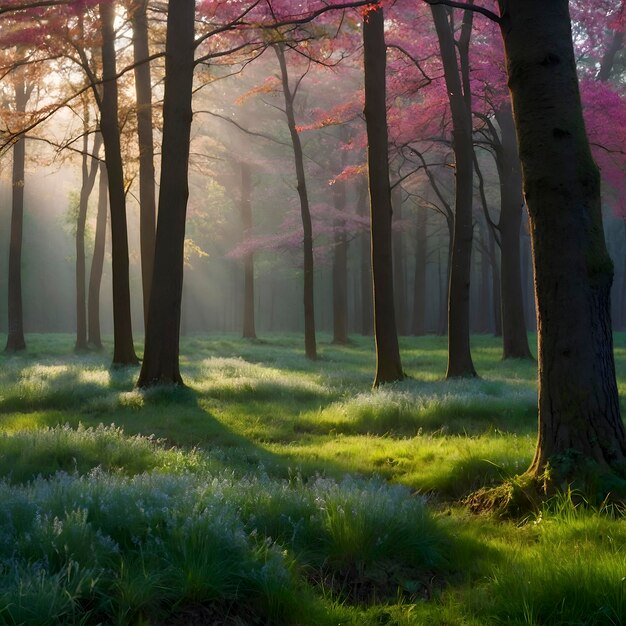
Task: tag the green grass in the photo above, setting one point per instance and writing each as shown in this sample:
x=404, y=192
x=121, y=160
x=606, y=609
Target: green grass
x=276, y=490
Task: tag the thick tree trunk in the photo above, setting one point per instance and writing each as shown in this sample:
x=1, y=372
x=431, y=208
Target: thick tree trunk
x=388, y=364
x=459, y=355
x=249, y=331
x=418, y=326
x=89, y=171
x=579, y=417
x=123, y=348
x=399, y=261
x=15, y=336
x=310, y=346
x=147, y=204
x=340, y=269
x=514, y=335
x=97, y=263
x=161, y=356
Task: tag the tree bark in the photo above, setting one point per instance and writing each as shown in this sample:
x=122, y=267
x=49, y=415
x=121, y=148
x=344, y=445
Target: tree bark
x=97, y=263
x=579, y=416
x=249, y=331
x=365, y=269
x=514, y=335
x=89, y=172
x=15, y=337
x=147, y=203
x=388, y=364
x=459, y=356
x=399, y=262
x=340, y=269
x=496, y=278
x=123, y=348
x=310, y=346
x=418, y=326
x=161, y=356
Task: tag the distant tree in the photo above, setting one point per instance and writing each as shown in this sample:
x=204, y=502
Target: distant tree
x=289, y=93
x=97, y=263
x=245, y=204
x=89, y=170
x=23, y=88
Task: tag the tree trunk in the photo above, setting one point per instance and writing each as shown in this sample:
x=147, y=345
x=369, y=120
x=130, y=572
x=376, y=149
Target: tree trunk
x=365, y=269
x=15, y=337
x=399, y=261
x=161, y=363
x=249, y=331
x=97, y=263
x=310, y=347
x=89, y=171
x=496, y=278
x=608, y=59
x=418, y=326
x=143, y=90
x=123, y=348
x=485, y=303
x=388, y=364
x=579, y=417
x=340, y=269
x=514, y=335
x=459, y=355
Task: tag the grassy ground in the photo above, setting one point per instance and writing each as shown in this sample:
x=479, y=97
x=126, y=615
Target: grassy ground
x=278, y=490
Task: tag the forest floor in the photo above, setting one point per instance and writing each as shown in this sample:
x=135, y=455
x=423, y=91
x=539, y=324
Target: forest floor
x=276, y=490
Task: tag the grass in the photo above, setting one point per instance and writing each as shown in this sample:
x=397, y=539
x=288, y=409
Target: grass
x=276, y=490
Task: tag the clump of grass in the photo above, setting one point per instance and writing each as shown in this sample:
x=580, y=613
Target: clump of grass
x=122, y=549
x=454, y=406
x=24, y=455
x=571, y=571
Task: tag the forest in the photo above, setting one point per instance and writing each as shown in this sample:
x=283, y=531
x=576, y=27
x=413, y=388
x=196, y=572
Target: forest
x=314, y=312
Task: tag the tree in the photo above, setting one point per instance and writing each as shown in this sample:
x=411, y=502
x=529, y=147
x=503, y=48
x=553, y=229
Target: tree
x=245, y=203
x=143, y=90
x=310, y=347
x=97, y=262
x=15, y=336
x=123, y=349
x=459, y=354
x=89, y=172
x=161, y=356
x=388, y=364
x=579, y=414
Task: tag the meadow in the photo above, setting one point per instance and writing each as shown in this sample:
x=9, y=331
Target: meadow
x=277, y=490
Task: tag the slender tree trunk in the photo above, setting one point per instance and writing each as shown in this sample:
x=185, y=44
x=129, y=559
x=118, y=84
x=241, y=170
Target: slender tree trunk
x=418, y=326
x=249, y=331
x=514, y=335
x=340, y=269
x=459, y=355
x=365, y=268
x=310, y=346
x=608, y=59
x=496, y=278
x=89, y=171
x=579, y=416
x=97, y=263
x=399, y=261
x=388, y=364
x=161, y=356
x=485, y=301
x=15, y=337
x=123, y=348
x=147, y=204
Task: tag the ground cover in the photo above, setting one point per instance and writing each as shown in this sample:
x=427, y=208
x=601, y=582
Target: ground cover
x=274, y=489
